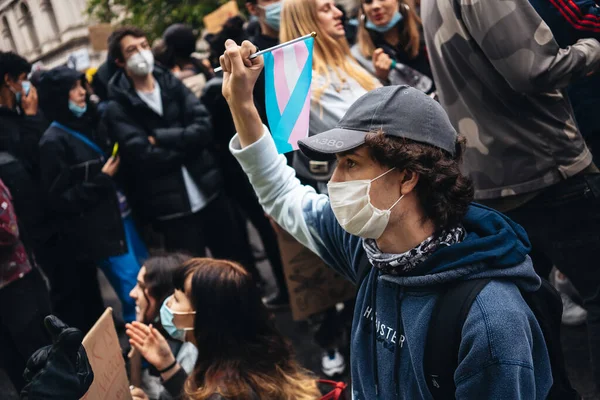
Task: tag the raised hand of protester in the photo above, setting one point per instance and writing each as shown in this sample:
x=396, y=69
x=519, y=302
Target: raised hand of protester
x=151, y=344
x=29, y=102
x=240, y=73
x=111, y=166
x=60, y=371
x=239, y=78
x=382, y=63
x=138, y=394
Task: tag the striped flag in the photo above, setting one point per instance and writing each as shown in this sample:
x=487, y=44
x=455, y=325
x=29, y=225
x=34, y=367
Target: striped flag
x=288, y=76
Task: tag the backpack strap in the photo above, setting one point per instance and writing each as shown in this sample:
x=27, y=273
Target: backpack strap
x=364, y=267
x=445, y=335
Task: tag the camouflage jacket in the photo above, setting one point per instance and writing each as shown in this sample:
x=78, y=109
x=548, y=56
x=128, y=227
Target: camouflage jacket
x=501, y=78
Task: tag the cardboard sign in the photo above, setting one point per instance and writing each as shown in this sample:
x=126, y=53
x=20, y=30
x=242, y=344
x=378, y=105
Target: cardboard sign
x=99, y=36
x=213, y=22
x=104, y=352
x=313, y=286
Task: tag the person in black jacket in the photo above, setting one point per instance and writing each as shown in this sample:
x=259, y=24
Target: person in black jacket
x=20, y=132
x=166, y=141
x=85, y=206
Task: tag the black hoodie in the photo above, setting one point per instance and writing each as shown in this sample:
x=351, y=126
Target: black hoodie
x=82, y=199
x=184, y=137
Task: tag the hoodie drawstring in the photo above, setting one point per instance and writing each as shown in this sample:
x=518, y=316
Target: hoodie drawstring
x=374, y=330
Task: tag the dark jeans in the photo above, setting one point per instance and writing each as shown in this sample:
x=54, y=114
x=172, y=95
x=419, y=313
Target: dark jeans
x=23, y=305
x=242, y=194
x=217, y=227
x=563, y=223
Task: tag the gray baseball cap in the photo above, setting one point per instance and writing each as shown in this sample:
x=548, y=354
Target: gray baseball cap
x=399, y=111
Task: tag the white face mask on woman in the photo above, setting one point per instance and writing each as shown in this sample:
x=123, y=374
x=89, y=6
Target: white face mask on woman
x=351, y=204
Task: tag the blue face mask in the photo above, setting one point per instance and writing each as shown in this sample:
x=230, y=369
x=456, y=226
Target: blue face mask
x=384, y=28
x=166, y=319
x=273, y=15
x=77, y=110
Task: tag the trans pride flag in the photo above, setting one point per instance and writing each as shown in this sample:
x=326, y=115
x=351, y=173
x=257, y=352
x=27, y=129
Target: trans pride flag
x=288, y=76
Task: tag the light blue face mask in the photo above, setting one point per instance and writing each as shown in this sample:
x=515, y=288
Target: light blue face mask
x=78, y=111
x=166, y=319
x=273, y=15
x=26, y=87
x=384, y=28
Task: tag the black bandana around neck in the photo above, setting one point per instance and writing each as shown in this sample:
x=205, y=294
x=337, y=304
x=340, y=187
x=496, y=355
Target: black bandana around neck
x=398, y=264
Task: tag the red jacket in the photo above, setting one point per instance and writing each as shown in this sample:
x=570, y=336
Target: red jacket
x=14, y=262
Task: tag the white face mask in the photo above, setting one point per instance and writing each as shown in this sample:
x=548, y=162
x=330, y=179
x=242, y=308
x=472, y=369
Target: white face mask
x=141, y=63
x=352, y=207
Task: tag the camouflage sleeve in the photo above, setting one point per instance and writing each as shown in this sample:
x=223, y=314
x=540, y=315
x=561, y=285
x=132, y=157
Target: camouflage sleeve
x=521, y=47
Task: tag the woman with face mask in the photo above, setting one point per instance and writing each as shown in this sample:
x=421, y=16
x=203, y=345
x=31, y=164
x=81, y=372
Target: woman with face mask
x=338, y=81
x=91, y=216
x=154, y=285
x=390, y=45
x=241, y=355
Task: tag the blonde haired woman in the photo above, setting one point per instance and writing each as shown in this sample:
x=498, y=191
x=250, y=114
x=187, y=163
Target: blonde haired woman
x=338, y=80
x=389, y=43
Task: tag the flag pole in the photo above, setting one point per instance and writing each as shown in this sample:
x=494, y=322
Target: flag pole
x=279, y=46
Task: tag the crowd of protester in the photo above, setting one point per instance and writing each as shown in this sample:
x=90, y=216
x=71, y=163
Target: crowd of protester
x=159, y=162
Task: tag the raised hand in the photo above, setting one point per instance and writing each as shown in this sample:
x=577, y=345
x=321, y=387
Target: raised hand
x=382, y=63
x=29, y=102
x=240, y=73
x=151, y=344
x=239, y=78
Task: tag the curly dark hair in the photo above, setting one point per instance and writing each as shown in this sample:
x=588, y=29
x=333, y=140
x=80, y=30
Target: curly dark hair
x=443, y=191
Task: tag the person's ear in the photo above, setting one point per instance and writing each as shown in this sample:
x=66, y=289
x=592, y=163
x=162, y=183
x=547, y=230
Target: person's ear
x=409, y=182
x=120, y=63
x=6, y=81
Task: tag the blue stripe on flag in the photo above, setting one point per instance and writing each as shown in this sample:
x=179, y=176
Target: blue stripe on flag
x=272, y=108
x=282, y=125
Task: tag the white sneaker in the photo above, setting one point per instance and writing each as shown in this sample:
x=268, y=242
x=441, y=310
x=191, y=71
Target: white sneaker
x=573, y=314
x=333, y=363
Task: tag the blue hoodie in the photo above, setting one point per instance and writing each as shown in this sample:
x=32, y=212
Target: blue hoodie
x=502, y=354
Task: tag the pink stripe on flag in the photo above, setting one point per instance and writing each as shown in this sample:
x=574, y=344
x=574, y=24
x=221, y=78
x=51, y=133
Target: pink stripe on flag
x=301, y=128
x=301, y=55
x=281, y=88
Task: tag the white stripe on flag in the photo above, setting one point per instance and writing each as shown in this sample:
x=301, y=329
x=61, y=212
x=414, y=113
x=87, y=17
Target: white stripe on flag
x=292, y=72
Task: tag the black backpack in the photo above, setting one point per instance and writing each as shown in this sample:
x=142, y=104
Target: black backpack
x=445, y=333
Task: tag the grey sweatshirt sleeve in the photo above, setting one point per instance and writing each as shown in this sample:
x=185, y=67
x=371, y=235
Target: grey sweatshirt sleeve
x=521, y=47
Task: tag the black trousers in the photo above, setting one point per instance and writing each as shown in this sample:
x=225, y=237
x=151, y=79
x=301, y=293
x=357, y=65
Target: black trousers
x=217, y=227
x=74, y=290
x=23, y=306
x=563, y=224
